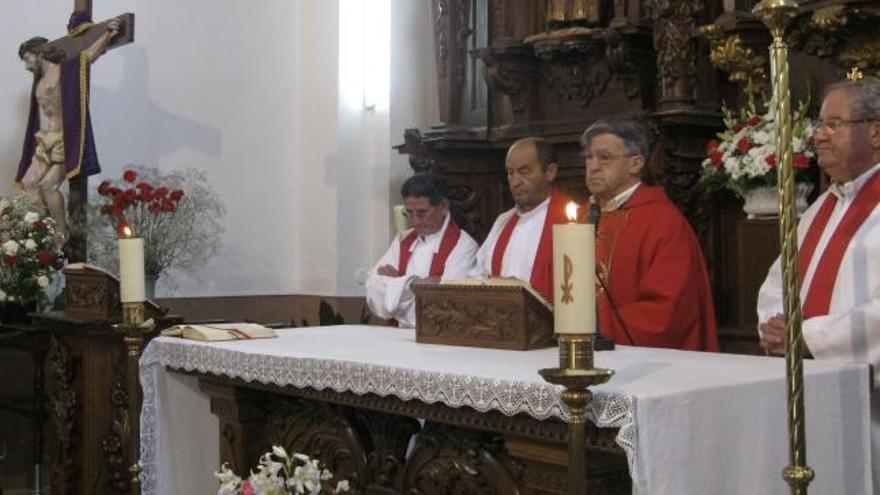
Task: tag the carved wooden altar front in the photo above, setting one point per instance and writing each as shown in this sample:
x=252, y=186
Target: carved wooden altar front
x=513, y=68
x=365, y=439
x=88, y=399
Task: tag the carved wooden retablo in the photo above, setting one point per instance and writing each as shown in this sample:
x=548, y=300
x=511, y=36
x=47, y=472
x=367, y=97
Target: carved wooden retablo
x=501, y=317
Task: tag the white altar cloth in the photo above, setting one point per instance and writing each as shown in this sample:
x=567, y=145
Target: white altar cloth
x=690, y=422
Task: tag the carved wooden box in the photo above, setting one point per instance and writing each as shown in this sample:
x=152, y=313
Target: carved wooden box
x=500, y=317
x=91, y=294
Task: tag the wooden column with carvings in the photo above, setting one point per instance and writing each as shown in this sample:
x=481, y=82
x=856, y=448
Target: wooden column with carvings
x=89, y=403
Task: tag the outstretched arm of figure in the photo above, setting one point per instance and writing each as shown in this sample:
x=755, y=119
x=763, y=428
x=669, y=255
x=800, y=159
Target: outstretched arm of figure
x=100, y=44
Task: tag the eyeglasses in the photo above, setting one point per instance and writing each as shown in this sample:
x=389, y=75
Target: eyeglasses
x=604, y=158
x=419, y=214
x=833, y=125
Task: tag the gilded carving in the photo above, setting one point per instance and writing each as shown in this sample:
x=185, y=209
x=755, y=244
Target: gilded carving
x=728, y=54
x=863, y=50
x=845, y=33
x=829, y=18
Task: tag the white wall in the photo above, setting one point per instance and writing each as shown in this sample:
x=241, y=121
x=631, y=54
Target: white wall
x=250, y=92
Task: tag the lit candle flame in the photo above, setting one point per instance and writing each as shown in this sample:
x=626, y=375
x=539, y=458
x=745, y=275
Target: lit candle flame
x=126, y=231
x=571, y=210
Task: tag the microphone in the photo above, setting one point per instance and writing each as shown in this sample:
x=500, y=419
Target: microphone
x=602, y=342
x=593, y=215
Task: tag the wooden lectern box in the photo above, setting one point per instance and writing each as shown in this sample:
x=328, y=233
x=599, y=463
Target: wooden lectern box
x=496, y=316
x=91, y=293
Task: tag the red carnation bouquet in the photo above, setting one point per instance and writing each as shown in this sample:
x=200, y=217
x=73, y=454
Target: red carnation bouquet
x=139, y=205
x=176, y=213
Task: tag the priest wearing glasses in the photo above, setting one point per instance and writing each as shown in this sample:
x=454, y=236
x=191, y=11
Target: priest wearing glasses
x=839, y=245
x=435, y=246
x=653, y=284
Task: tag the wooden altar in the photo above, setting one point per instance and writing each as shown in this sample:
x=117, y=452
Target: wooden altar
x=513, y=68
x=395, y=416
x=365, y=439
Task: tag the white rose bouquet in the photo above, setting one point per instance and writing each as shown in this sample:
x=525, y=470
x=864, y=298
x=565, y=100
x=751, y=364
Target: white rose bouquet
x=30, y=256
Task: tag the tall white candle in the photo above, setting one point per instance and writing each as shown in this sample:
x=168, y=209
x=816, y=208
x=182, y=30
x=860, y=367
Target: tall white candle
x=131, y=269
x=574, y=269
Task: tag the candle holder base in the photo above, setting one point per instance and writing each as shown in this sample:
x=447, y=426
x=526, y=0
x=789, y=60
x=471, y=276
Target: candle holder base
x=573, y=379
x=576, y=373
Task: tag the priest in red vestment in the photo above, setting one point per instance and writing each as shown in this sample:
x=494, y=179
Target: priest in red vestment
x=435, y=246
x=839, y=245
x=520, y=244
x=653, y=288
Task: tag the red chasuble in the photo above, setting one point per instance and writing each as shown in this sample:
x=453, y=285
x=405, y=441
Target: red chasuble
x=438, y=262
x=651, y=263
x=542, y=269
x=818, y=299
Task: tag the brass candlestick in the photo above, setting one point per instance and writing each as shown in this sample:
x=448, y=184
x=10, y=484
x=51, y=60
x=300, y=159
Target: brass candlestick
x=132, y=329
x=576, y=373
x=776, y=15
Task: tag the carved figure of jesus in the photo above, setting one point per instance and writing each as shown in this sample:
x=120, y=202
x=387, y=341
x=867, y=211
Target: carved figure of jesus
x=60, y=85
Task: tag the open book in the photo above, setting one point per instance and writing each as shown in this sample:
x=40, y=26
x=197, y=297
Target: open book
x=501, y=282
x=221, y=331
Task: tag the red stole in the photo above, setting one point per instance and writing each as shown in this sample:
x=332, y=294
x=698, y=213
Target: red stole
x=818, y=300
x=438, y=262
x=542, y=268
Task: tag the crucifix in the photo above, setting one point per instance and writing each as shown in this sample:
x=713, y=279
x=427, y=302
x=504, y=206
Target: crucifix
x=60, y=93
x=64, y=66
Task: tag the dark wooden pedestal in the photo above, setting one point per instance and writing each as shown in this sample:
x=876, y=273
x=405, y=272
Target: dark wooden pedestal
x=88, y=403
x=24, y=338
x=367, y=440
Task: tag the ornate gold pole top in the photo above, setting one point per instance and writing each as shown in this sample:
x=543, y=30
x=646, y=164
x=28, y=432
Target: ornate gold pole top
x=855, y=74
x=776, y=14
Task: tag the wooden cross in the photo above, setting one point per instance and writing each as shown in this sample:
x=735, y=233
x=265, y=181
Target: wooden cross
x=78, y=197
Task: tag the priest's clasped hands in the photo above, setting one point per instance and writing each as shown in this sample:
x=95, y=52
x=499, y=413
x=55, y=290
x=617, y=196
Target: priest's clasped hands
x=773, y=336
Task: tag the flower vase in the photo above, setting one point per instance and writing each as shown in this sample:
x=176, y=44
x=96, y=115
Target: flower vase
x=150, y=285
x=763, y=202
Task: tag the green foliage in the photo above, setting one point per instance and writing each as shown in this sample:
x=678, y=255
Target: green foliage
x=329, y=316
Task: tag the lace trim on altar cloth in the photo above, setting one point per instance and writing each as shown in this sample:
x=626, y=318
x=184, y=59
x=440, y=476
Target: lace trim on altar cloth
x=538, y=400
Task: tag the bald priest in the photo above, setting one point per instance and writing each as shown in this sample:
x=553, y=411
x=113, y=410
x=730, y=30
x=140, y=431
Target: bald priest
x=520, y=244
